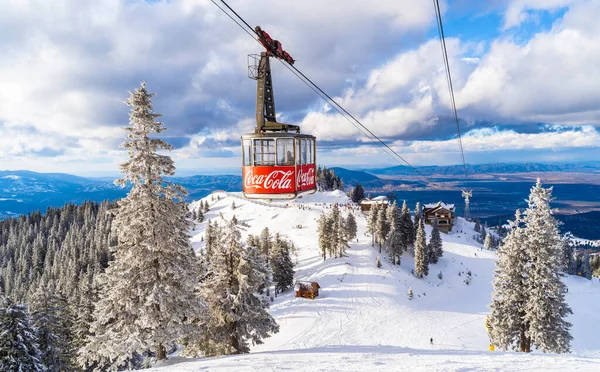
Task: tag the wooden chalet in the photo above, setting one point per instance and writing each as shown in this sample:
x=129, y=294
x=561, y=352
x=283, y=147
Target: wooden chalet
x=445, y=214
x=365, y=204
x=307, y=289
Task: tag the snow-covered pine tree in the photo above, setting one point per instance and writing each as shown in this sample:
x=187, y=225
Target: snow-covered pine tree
x=199, y=216
x=253, y=241
x=338, y=235
x=394, y=239
x=435, y=242
x=194, y=215
x=421, y=257
x=211, y=239
x=575, y=267
x=18, y=340
x=265, y=243
x=147, y=292
x=283, y=267
x=406, y=227
x=477, y=225
x=508, y=329
x=358, y=193
x=528, y=305
x=586, y=269
x=372, y=222
x=236, y=310
x=483, y=235
x=545, y=306
x=54, y=323
x=487, y=244
x=350, y=227
x=324, y=230
x=383, y=226
x=567, y=256
x=83, y=311
x=418, y=216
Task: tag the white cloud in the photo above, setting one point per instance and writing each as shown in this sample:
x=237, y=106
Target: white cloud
x=66, y=67
x=517, y=11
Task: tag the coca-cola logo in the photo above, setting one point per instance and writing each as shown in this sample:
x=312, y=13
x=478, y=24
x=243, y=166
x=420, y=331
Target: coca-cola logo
x=276, y=180
x=306, y=178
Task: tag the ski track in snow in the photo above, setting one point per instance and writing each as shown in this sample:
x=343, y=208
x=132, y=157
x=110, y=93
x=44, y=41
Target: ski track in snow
x=363, y=319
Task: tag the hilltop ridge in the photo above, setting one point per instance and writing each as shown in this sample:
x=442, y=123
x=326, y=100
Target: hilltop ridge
x=364, y=316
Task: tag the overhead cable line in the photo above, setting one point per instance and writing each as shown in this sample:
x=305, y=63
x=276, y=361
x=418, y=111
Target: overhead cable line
x=438, y=14
x=326, y=97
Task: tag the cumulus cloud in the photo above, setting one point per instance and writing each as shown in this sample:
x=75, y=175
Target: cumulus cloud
x=66, y=68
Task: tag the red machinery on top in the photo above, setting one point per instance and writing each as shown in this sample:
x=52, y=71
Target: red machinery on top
x=278, y=161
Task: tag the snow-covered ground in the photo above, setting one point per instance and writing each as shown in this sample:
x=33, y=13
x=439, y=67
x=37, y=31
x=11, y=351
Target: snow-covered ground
x=363, y=319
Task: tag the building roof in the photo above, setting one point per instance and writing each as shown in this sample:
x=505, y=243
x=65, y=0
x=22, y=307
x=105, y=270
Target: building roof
x=440, y=204
x=379, y=200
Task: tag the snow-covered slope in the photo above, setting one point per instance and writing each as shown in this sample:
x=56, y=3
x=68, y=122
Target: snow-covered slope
x=364, y=320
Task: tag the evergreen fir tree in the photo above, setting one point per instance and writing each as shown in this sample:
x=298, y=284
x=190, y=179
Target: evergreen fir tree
x=265, y=243
x=477, y=225
x=575, y=268
x=350, y=227
x=508, y=329
x=394, y=239
x=338, y=235
x=406, y=227
x=567, y=256
x=283, y=268
x=545, y=308
x=383, y=226
x=200, y=216
x=435, y=242
x=484, y=234
x=358, y=193
x=487, y=244
x=372, y=222
x=324, y=229
x=147, y=292
x=586, y=269
x=236, y=311
x=211, y=237
x=18, y=340
x=421, y=257
x=54, y=323
x=528, y=305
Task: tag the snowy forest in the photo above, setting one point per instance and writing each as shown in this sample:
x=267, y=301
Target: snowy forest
x=113, y=286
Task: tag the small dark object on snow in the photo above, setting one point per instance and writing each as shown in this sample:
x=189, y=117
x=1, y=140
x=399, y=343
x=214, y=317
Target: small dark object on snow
x=431, y=340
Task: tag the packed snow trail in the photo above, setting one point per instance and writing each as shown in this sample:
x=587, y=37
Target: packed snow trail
x=363, y=315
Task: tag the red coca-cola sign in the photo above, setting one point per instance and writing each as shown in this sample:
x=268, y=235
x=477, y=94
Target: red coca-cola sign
x=269, y=180
x=279, y=180
x=306, y=177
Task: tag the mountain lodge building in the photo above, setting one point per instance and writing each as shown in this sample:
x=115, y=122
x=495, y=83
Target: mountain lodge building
x=445, y=214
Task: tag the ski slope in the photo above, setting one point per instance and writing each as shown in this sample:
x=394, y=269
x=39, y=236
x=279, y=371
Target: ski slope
x=364, y=320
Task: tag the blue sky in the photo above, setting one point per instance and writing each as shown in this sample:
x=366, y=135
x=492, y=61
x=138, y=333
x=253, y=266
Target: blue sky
x=526, y=75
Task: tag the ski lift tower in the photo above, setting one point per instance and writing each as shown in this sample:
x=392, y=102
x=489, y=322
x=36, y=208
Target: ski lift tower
x=467, y=194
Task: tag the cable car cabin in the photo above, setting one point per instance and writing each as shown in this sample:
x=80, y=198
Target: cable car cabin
x=277, y=161
x=278, y=165
x=307, y=289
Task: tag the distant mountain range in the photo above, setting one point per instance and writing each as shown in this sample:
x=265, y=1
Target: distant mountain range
x=25, y=191
x=459, y=170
